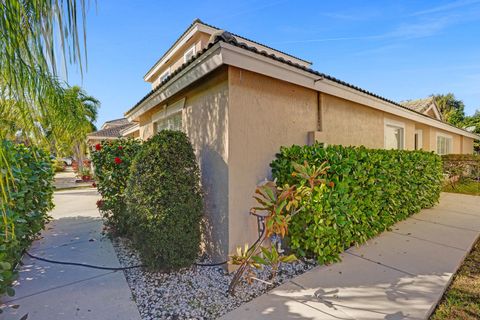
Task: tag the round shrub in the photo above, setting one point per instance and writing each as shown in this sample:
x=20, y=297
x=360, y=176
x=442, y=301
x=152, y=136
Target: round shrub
x=112, y=160
x=165, y=202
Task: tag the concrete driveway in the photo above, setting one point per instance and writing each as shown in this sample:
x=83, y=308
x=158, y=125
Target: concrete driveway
x=401, y=274
x=48, y=291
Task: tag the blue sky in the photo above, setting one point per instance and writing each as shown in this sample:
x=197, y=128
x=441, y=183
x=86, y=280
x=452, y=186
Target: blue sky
x=398, y=49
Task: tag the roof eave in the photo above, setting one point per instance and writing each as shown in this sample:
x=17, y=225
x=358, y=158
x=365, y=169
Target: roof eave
x=250, y=59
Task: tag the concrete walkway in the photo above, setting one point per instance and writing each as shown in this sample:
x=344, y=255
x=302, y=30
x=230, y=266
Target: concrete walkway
x=52, y=291
x=67, y=180
x=400, y=274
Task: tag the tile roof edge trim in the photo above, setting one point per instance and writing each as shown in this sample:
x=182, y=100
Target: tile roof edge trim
x=330, y=85
x=369, y=99
x=186, y=35
x=210, y=51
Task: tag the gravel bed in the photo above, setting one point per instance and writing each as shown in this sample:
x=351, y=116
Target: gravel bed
x=196, y=292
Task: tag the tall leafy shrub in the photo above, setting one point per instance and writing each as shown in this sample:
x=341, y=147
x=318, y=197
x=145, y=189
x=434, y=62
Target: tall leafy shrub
x=165, y=201
x=29, y=198
x=372, y=189
x=112, y=161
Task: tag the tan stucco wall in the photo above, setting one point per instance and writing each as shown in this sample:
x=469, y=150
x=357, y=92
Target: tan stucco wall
x=199, y=40
x=467, y=145
x=206, y=119
x=264, y=114
x=348, y=123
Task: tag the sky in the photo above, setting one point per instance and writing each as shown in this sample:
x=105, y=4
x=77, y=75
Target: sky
x=398, y=49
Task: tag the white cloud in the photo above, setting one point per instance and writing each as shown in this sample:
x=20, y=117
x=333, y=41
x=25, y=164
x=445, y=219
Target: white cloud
x=446, y=7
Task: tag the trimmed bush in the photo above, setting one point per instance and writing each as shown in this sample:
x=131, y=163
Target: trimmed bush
x=24, y=205
x=372, y=189
x=112, y=161
x=165, y=202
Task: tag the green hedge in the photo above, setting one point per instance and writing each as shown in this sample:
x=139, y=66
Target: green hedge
x=112, y=161
x=24, y=205
x=372, y=190
x=165, y=202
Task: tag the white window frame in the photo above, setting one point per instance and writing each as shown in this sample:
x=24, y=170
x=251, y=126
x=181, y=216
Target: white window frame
x=193, y=50
x=168, y=111
x=419, y=140
x=447, y=137
x=397, y=125
x=164, y=74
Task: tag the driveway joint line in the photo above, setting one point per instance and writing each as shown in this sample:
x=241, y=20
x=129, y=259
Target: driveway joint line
x=446, y=225
x=385, y=265
x=60, y=287
x=66, y=244
x=426, y=240
x=459, y=212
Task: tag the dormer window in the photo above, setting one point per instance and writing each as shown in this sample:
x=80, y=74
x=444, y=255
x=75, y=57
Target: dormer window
x=189, y=54
x=164, y=75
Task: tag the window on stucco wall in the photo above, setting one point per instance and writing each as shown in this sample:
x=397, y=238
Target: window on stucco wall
x=189, y=54
x=170, y=118
x=394, y=135
x=444, y=144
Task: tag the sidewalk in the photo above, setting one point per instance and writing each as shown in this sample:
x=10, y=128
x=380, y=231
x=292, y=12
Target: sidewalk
x=400, y=274
x=66, y=180
x=52, y=291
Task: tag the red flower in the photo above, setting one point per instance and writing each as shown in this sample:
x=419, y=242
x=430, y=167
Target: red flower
x=98, y=147
x=331, y=184
x=94, y=185
x=118, y=160
x=100, y=204
x=120, y=147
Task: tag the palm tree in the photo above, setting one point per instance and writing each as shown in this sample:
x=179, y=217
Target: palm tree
x=36, y=38
x=83, y=113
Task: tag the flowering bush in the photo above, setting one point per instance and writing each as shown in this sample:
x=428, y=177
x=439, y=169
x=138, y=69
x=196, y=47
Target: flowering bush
x=112, y=161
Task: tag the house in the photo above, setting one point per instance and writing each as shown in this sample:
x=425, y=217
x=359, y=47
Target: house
x=426, y=106
x=239, y=101
x=113, y=129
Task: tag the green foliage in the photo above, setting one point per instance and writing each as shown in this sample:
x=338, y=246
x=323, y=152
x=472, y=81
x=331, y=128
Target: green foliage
x=271, y=257
x=474, y=121
x=24, y=213
x=452, y=109
x=165, y=201
x=112, y=161
x=369, y=191
x=276, y=207
x=58, y=165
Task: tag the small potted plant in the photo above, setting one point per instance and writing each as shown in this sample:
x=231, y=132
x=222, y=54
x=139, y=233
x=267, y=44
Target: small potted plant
x=85, y=174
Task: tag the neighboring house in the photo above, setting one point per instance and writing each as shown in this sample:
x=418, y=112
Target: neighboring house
x=113, y=129
x=240, y=101
x=426, y=106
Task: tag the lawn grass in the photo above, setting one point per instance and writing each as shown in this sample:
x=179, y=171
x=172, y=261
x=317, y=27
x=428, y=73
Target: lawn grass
x=467, y=187
x=461, y=301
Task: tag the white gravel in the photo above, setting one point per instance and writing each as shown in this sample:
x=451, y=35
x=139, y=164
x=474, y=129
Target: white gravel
x=196, y=292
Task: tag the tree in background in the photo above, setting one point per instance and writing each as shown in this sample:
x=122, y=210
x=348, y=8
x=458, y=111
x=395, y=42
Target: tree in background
x=474, y=123
x=452, y=109
x=78, y=117
x=32, y=35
